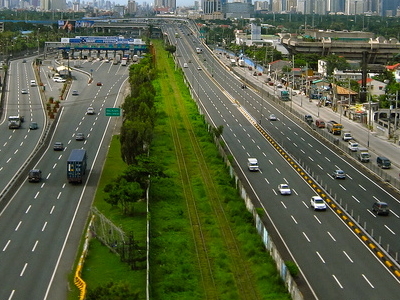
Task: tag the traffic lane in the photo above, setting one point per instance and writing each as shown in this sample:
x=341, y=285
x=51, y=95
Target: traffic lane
x=356, y=192
x=39, y=238
x=330, y=253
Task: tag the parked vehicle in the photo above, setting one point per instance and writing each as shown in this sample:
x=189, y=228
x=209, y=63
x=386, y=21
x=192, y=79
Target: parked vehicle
x=334, y=127
x=252, y=164
x=363, y=155
x=76, y=165
x=320, y=123
x=34, y=175
x=383, y=162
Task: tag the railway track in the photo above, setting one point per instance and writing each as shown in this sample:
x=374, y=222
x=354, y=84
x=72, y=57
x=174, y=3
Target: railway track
x=195, y=170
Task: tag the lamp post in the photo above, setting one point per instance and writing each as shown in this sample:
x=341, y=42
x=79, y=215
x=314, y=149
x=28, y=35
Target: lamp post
x=38, y=42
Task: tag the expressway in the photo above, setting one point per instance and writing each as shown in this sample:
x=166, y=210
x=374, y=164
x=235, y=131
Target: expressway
x=333, y=261
x=42, y=224
x=16, y=145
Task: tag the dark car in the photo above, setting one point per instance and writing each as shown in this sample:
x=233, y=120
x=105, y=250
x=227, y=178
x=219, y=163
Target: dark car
x=99, y=84
x=58, y=146
x=35, y=175
x=308, y=119
x=380, y=208
x=33, y=126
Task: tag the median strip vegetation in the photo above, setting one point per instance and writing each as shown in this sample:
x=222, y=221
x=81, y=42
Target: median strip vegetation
x=203, y=244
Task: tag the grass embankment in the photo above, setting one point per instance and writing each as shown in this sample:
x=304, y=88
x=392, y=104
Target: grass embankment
x=203, y=243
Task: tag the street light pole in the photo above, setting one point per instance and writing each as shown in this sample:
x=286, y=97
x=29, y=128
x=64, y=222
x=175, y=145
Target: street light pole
x=38, y=42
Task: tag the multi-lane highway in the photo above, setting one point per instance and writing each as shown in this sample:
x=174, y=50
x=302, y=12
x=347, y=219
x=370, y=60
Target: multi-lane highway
x=42, y=224
x=332, y=259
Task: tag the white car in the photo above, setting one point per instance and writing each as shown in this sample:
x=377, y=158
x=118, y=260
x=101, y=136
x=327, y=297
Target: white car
x=90, y=111
x=317, y=203
x=284, y=189
x=353, y=146
x=272, y=117
x=58, y=79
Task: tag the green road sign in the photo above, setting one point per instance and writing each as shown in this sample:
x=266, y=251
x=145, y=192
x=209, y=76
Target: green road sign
x=113, y=112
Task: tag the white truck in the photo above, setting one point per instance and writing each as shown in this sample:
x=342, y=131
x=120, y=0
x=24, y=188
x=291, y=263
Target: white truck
x=252, y=164
x=124, y=62
x=14, y=122
x=363, y=155
x=117, y=59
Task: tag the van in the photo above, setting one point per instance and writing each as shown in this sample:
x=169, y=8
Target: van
x=252, y=164
x=380, y=208
x=35, y=175
x=33, y=82
x=320, y=123
x=185, y=65
x=383, y=162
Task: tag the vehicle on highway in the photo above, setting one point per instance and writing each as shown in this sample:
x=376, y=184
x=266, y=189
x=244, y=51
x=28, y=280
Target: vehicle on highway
x=33, y=126
x=317, y=203
x=320, y=123
x=58, y=146
x=79, y=136
x=34, y=175
x=99, y=84
x=14, y=122
x=252, y=164
x=272, y=117
x=284, y=189
x=380, y=208
x=199, y=68
x=33, y=82
x=363, y=155
x=106, y=60
x=24, y=61
x=383, y=162
x=353, y=146
x=24, y=91
x=338, y=174
x=90, y=111
x=58, y=79
x=185, y=65
x=308, y=119
x=76, y=165
x=75, y=93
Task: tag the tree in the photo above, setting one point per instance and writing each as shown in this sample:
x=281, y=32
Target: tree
x=124, y=194
x=112, y=291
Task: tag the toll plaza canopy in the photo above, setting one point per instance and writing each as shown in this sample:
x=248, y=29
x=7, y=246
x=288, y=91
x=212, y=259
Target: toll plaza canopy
x=113, y=43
